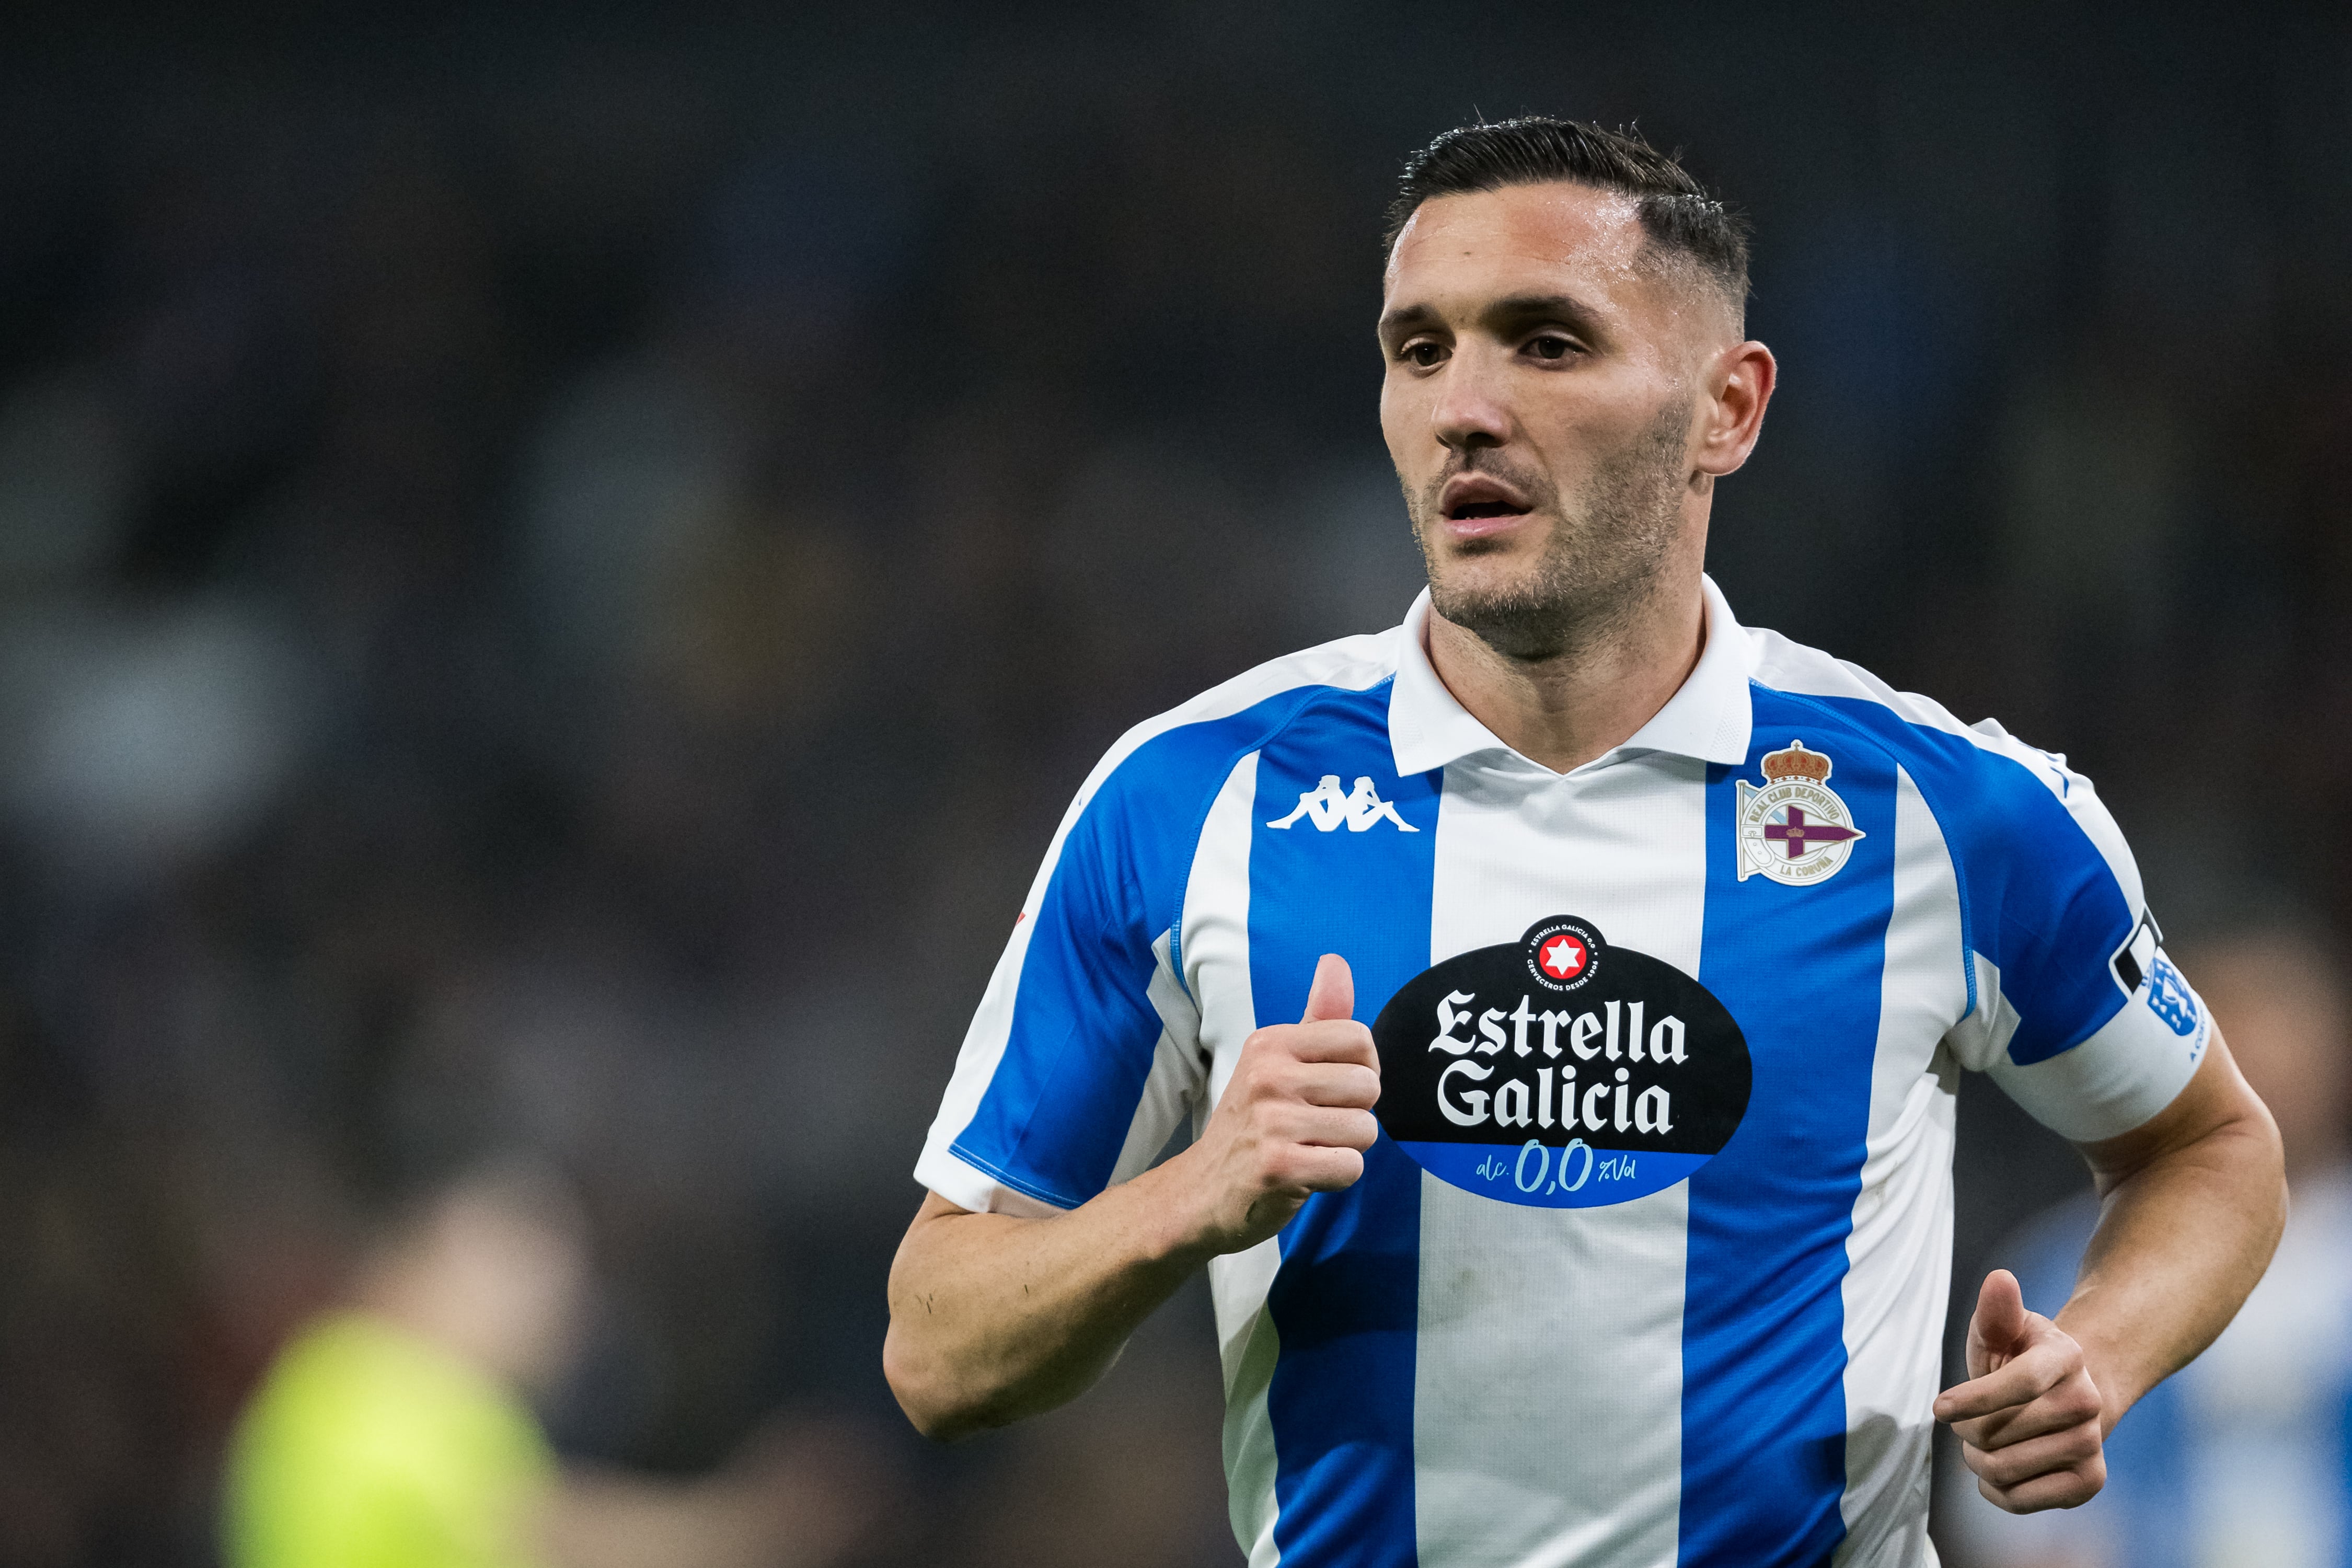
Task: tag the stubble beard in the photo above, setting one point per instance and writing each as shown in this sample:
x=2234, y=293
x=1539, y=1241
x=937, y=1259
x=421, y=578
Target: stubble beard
x=1601, y=564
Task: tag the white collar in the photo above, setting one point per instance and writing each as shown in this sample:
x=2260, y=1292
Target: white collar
x=1707, y=716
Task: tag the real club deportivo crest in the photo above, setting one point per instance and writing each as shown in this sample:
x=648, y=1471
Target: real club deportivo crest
x=1794, y=829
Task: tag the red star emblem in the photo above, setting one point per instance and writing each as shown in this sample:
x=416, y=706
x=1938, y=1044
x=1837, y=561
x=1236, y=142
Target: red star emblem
x=1562, y=957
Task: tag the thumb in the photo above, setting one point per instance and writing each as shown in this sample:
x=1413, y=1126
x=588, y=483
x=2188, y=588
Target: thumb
x=1998, y=1323
x=1333, y=994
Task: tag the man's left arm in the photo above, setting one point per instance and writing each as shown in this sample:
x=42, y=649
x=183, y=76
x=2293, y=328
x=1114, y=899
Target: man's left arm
x=2192, y=1204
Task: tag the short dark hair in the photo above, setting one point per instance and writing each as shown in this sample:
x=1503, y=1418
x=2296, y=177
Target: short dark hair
x=1677, y=213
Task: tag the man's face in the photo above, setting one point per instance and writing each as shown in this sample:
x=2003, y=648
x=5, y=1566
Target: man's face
x=1539, y=405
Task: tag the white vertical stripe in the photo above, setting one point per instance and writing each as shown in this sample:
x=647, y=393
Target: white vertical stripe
x=1172, y=1086
x=1899, y=1253
x=1249, y=1345
x=1573, y=1454
x=1983, y=1037
x=1214, y=949
x=1215, y=956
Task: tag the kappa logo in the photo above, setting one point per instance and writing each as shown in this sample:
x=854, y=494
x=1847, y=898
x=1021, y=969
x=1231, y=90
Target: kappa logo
x=1326, y=808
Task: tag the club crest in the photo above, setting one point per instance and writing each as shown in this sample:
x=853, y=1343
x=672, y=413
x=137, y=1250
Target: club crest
x=1794, y=829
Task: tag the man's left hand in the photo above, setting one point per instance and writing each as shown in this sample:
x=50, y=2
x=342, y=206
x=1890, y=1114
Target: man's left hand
x=2029, y=1417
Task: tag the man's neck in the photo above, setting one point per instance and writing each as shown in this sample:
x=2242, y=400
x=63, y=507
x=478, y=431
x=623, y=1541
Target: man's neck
x=1565, y=711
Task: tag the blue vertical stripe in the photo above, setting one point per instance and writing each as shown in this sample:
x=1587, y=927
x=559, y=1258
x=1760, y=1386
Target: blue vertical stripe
x=1763, y=1320
x=1346, y=1302
x=2343, y=1474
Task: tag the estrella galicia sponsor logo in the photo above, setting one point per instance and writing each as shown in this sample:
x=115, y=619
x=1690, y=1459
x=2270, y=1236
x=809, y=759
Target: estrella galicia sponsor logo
x=1359, y=810
x=1559, y=1072
x=2170, y=998
x=1561, y=952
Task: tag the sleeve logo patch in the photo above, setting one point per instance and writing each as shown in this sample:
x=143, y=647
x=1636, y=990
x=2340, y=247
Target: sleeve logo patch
x=1795, y=829
x=2170, y=998
x=1559, y=1072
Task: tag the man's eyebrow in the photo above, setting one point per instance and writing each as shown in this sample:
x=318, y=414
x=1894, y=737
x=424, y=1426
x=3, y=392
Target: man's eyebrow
x=1511, y=311
x=1407, y=316
x=1519, y=308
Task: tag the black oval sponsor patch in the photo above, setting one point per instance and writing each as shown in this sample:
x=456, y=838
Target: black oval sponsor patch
x=1559, y=1071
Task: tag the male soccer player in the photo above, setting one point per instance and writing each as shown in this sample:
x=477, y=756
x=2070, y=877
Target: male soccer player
x=1622, y=1235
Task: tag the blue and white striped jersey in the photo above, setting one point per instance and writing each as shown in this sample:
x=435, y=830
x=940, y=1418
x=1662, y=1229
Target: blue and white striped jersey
x=1649, y=1264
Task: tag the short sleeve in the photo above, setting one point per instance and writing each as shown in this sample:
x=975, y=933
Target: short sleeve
x=2076, y=1011
x=1083, y=1055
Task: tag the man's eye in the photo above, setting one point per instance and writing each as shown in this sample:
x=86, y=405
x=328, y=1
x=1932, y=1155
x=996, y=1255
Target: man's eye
x=1551, y=346
x=1422, y=354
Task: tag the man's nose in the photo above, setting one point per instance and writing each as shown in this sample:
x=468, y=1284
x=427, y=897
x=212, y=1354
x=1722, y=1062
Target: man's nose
x=1470, y=411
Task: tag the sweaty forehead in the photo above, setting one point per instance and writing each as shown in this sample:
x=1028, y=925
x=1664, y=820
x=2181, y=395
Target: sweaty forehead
x=1524, y=239
x=1558, y=225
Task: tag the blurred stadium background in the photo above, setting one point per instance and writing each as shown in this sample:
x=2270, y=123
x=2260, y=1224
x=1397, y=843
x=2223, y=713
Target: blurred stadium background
x=559, y=564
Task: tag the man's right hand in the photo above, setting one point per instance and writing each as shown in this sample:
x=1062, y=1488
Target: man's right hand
x=994, y=1316
x=1295, y=1119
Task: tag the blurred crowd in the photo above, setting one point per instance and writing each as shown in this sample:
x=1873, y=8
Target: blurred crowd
x=557, y=571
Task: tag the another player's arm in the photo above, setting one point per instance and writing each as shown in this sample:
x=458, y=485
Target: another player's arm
x=2192, y=1204
x=996, y=1317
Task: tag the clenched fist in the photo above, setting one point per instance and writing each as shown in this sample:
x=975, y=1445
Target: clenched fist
x=2030, y=1419
x=1294, y=1121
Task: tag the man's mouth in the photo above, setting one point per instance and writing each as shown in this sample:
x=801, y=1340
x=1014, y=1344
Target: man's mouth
x=1476, y=504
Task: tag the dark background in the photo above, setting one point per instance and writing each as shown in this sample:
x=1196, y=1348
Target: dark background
x=559, y=564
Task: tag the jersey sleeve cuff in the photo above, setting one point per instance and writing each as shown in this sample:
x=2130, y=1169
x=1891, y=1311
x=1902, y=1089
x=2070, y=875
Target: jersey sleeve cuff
x=969, y=1188
x=2114, y=1081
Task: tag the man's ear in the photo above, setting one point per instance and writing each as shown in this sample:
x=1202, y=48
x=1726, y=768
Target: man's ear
x=1738, y=385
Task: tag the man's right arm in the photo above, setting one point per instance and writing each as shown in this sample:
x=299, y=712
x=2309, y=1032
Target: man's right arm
x=996, y=1317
